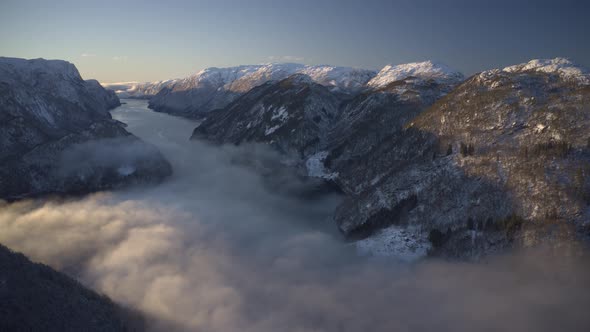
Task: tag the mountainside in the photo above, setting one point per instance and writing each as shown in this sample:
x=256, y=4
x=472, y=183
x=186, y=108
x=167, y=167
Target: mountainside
x=215, y=88
x=502, y=160
x=313, y=122
x=376, y=116
x=56, y=134
x=38, y=298
x=293, y=115
x=455, y=169
x=138, y=90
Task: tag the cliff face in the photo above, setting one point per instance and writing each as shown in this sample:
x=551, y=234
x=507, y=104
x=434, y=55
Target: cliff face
x=47, y=113
x=38, y=298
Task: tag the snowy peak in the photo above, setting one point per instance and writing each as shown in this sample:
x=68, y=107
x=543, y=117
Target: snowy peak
x=560, y=66
x=136, y=89
x=259, y=74
x=243, y=78
x=339, y=78
x=423, y=70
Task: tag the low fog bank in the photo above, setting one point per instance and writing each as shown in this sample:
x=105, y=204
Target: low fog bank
x=215, y=248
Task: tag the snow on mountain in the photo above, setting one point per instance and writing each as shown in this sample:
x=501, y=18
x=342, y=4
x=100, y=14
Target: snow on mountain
x=136, y=89
x=424, y=70
x=560, y=66
x=215, y=88
x=54, y=129
x=339, y=78
x=243, y=78
x=255, y=75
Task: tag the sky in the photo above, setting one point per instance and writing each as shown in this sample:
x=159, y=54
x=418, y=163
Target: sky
x=127, y=40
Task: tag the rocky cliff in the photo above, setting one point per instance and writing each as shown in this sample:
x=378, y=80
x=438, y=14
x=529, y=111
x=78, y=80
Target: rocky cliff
x=56, y=134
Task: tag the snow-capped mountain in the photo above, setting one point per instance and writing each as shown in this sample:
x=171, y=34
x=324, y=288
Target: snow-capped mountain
x=560, y=66
x=293, y=115
x=423, y=70
x=501, y=160
x=50, y=116
x=215, y=88
x=458, y=169
x=138, y=90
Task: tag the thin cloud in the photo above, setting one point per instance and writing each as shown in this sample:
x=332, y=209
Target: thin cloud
x=88, y=55
x=286, y=58
x=120, y=58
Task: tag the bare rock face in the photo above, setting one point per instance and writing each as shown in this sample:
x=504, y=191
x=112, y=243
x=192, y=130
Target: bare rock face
x=37, y=298
x=56, y=131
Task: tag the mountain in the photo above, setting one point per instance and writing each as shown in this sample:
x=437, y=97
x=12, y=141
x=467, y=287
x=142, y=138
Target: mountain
x=455, y=168
x=56, y=134
x=37, y=298
x=423, y=70
x=502, y=160
x=293, y=115
x=215, y=88
x=144, y=90
x=379, y=115
x=311, y=121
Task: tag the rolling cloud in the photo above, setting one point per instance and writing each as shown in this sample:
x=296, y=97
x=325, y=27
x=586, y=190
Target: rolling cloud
x=215, y=248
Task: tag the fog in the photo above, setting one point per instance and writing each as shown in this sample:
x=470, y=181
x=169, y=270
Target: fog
x=218, y=247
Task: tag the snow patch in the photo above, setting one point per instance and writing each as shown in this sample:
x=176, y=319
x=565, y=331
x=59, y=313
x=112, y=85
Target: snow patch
x=560, y=66
x=271, y=130
x=280, y=114
x=402, y=243
x=315, y=166
x=423, y=70
x=126, y=170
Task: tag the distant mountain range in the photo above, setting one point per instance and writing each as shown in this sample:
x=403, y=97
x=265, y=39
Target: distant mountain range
x=214, y=88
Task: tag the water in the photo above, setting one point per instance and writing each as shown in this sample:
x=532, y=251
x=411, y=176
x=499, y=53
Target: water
x=214, y=248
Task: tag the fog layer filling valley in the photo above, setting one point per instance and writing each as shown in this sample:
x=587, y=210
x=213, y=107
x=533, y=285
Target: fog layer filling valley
x=216, y=248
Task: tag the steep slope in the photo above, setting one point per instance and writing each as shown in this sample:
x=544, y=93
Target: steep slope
x=292, y=115
x=502, y=160
x=215, y=88
x=38, y=298
x=56, y=134
x=379, y=115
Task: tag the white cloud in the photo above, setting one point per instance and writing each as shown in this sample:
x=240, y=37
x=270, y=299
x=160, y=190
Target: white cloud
x=87, y=55
x=216, y=248
x=120, y=58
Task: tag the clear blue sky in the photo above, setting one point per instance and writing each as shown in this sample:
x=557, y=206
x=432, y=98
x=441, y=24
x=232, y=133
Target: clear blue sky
x=152, y=40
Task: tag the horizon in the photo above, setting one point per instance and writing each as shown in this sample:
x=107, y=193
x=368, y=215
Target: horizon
x=146, y=41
